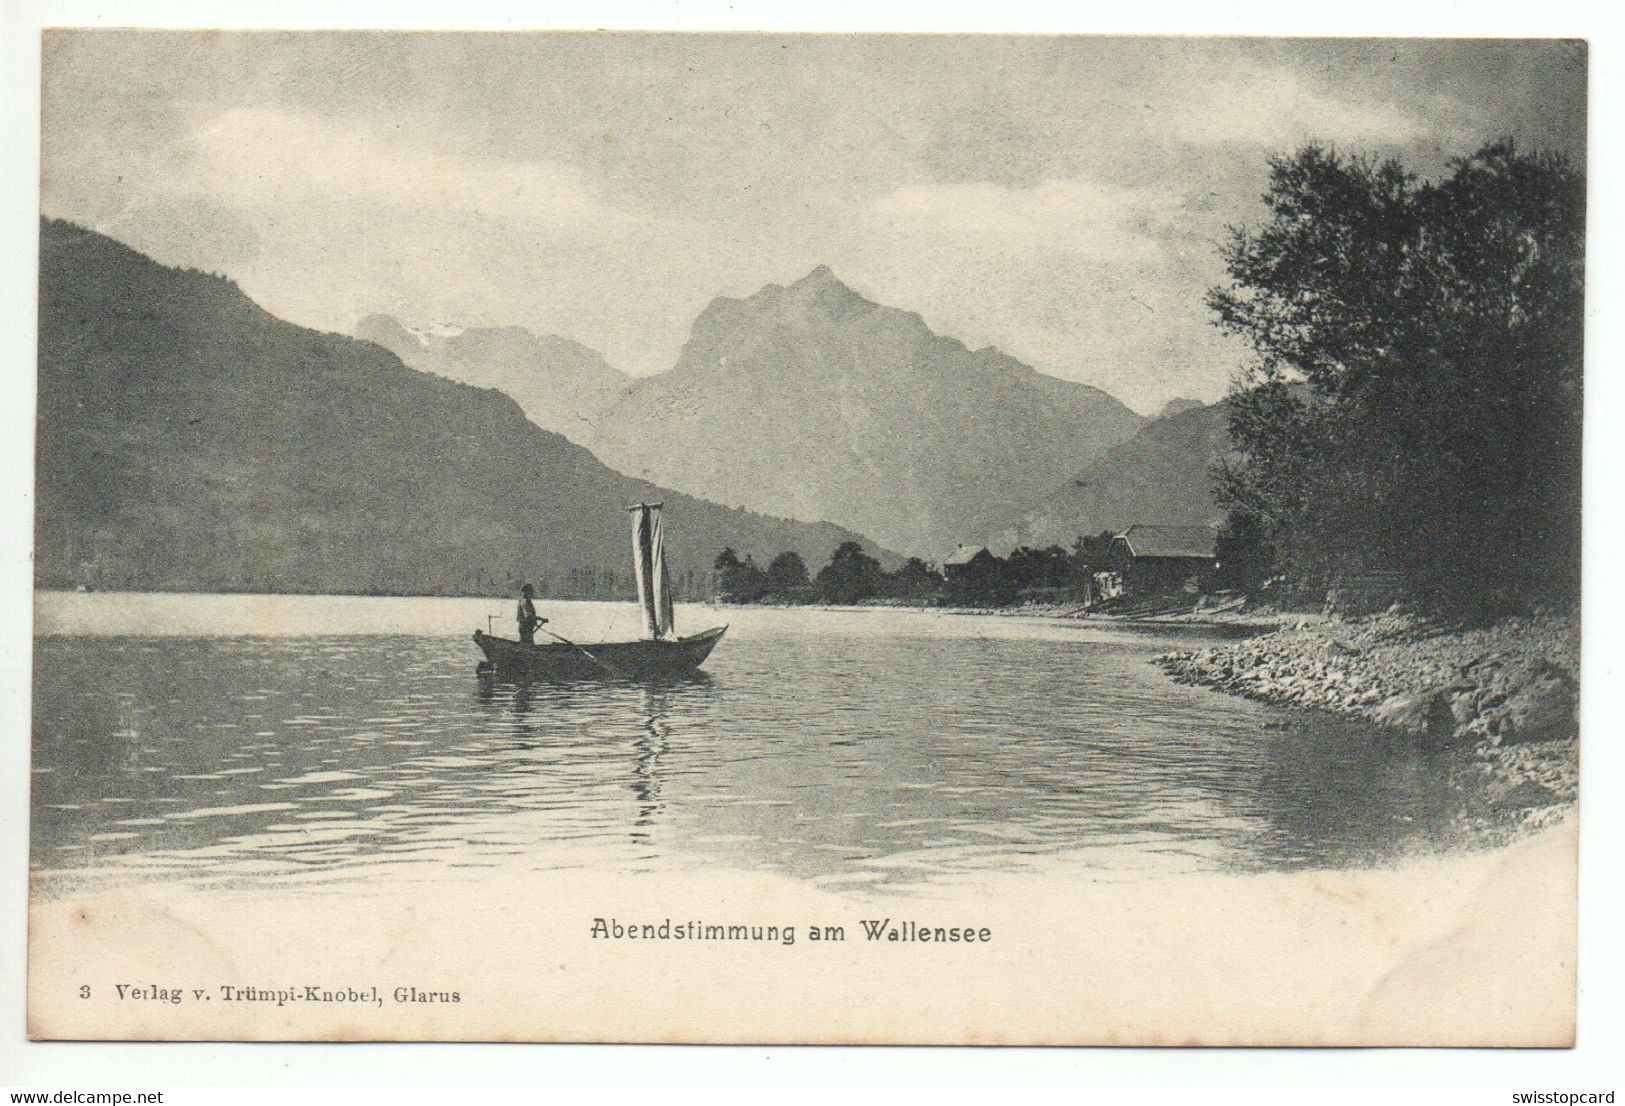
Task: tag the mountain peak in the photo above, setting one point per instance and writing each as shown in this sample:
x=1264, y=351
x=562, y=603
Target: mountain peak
x=822, y=275
x=1179, y=406
x=823, y=293
x=311, y=522
x=819, y=402
x=379, y=328
x=561, y=385
x=822, y=283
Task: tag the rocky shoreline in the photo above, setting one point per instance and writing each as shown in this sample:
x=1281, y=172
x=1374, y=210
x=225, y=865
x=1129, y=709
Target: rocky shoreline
x=1509, y=690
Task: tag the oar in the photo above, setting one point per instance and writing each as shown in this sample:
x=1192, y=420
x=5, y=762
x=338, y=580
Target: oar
x=605, y=665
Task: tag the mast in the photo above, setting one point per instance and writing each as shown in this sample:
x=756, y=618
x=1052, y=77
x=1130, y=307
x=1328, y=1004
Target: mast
x=649, y=568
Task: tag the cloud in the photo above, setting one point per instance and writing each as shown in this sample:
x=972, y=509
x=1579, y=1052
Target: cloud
x=1081, y=184
x=255, y=157
x=1086, y=278
x=988, y=141
x=323, y=220
x=1269, y=107
x=1092, y=219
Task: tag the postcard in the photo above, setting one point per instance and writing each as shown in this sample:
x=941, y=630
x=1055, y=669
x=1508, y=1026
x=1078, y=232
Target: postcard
x=807, y=538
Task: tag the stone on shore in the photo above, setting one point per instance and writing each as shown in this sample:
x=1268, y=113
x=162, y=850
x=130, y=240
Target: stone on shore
x=1510, y=689
x=1420, y=714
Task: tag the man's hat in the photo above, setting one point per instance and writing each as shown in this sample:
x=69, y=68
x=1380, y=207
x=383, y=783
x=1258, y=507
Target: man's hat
x=527, y=590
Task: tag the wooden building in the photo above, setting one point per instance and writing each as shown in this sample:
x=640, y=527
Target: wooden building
x=1155, y=560
x=967, y=563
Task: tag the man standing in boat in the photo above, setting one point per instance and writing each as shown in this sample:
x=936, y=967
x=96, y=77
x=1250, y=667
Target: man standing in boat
x=528, y=621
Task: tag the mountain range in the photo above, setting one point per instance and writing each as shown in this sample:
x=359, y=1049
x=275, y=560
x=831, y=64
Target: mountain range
x=1161, y=475
x=187, y=439
x=560, y=384
x=810, y=400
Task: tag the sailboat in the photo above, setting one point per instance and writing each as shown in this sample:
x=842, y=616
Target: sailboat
x=659, y=654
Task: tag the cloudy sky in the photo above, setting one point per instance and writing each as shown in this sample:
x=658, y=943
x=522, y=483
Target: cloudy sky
x=1062, y=199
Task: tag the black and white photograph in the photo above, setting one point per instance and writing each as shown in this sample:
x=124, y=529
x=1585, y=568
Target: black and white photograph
x=807, y=538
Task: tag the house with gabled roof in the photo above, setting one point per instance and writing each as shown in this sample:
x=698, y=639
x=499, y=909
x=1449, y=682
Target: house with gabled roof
x=964, y=555
x=971, y=571
x=1155, y=559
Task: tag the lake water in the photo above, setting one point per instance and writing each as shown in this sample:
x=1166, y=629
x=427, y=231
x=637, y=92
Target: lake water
x=240, y=741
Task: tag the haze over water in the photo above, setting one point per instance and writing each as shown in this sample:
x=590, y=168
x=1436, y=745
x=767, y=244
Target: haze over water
x=244, y=741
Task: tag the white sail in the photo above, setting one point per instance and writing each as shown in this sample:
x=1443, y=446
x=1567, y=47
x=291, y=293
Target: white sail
x=665, y=624
x=649, y=567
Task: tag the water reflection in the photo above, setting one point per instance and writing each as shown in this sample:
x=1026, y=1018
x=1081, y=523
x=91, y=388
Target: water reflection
x=645, y=761
x=650, y=704
x=892, y=758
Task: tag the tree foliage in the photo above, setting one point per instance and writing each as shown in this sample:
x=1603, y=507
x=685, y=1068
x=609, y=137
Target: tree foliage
x=851, y=575
x=739, y=581
x=915, y=582
x=787, y=572
x=1094, y=553
x=1415, y=403
x=854, y=576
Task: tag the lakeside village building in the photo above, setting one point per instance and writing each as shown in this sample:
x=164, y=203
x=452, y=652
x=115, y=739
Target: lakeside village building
x=1145, y=560
x=1160, y=560
x=966, y=564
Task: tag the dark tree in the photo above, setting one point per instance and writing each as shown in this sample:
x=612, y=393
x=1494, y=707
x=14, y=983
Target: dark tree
x=1244, y=554
x=739, y=581
x=787, y=573
x=850, y=576
x=1092, y=554
x=1038, y=568
x=1415, y=404
x=983, y=581
x=916, y=582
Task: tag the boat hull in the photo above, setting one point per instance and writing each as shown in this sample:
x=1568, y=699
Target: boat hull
x=637, y=660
